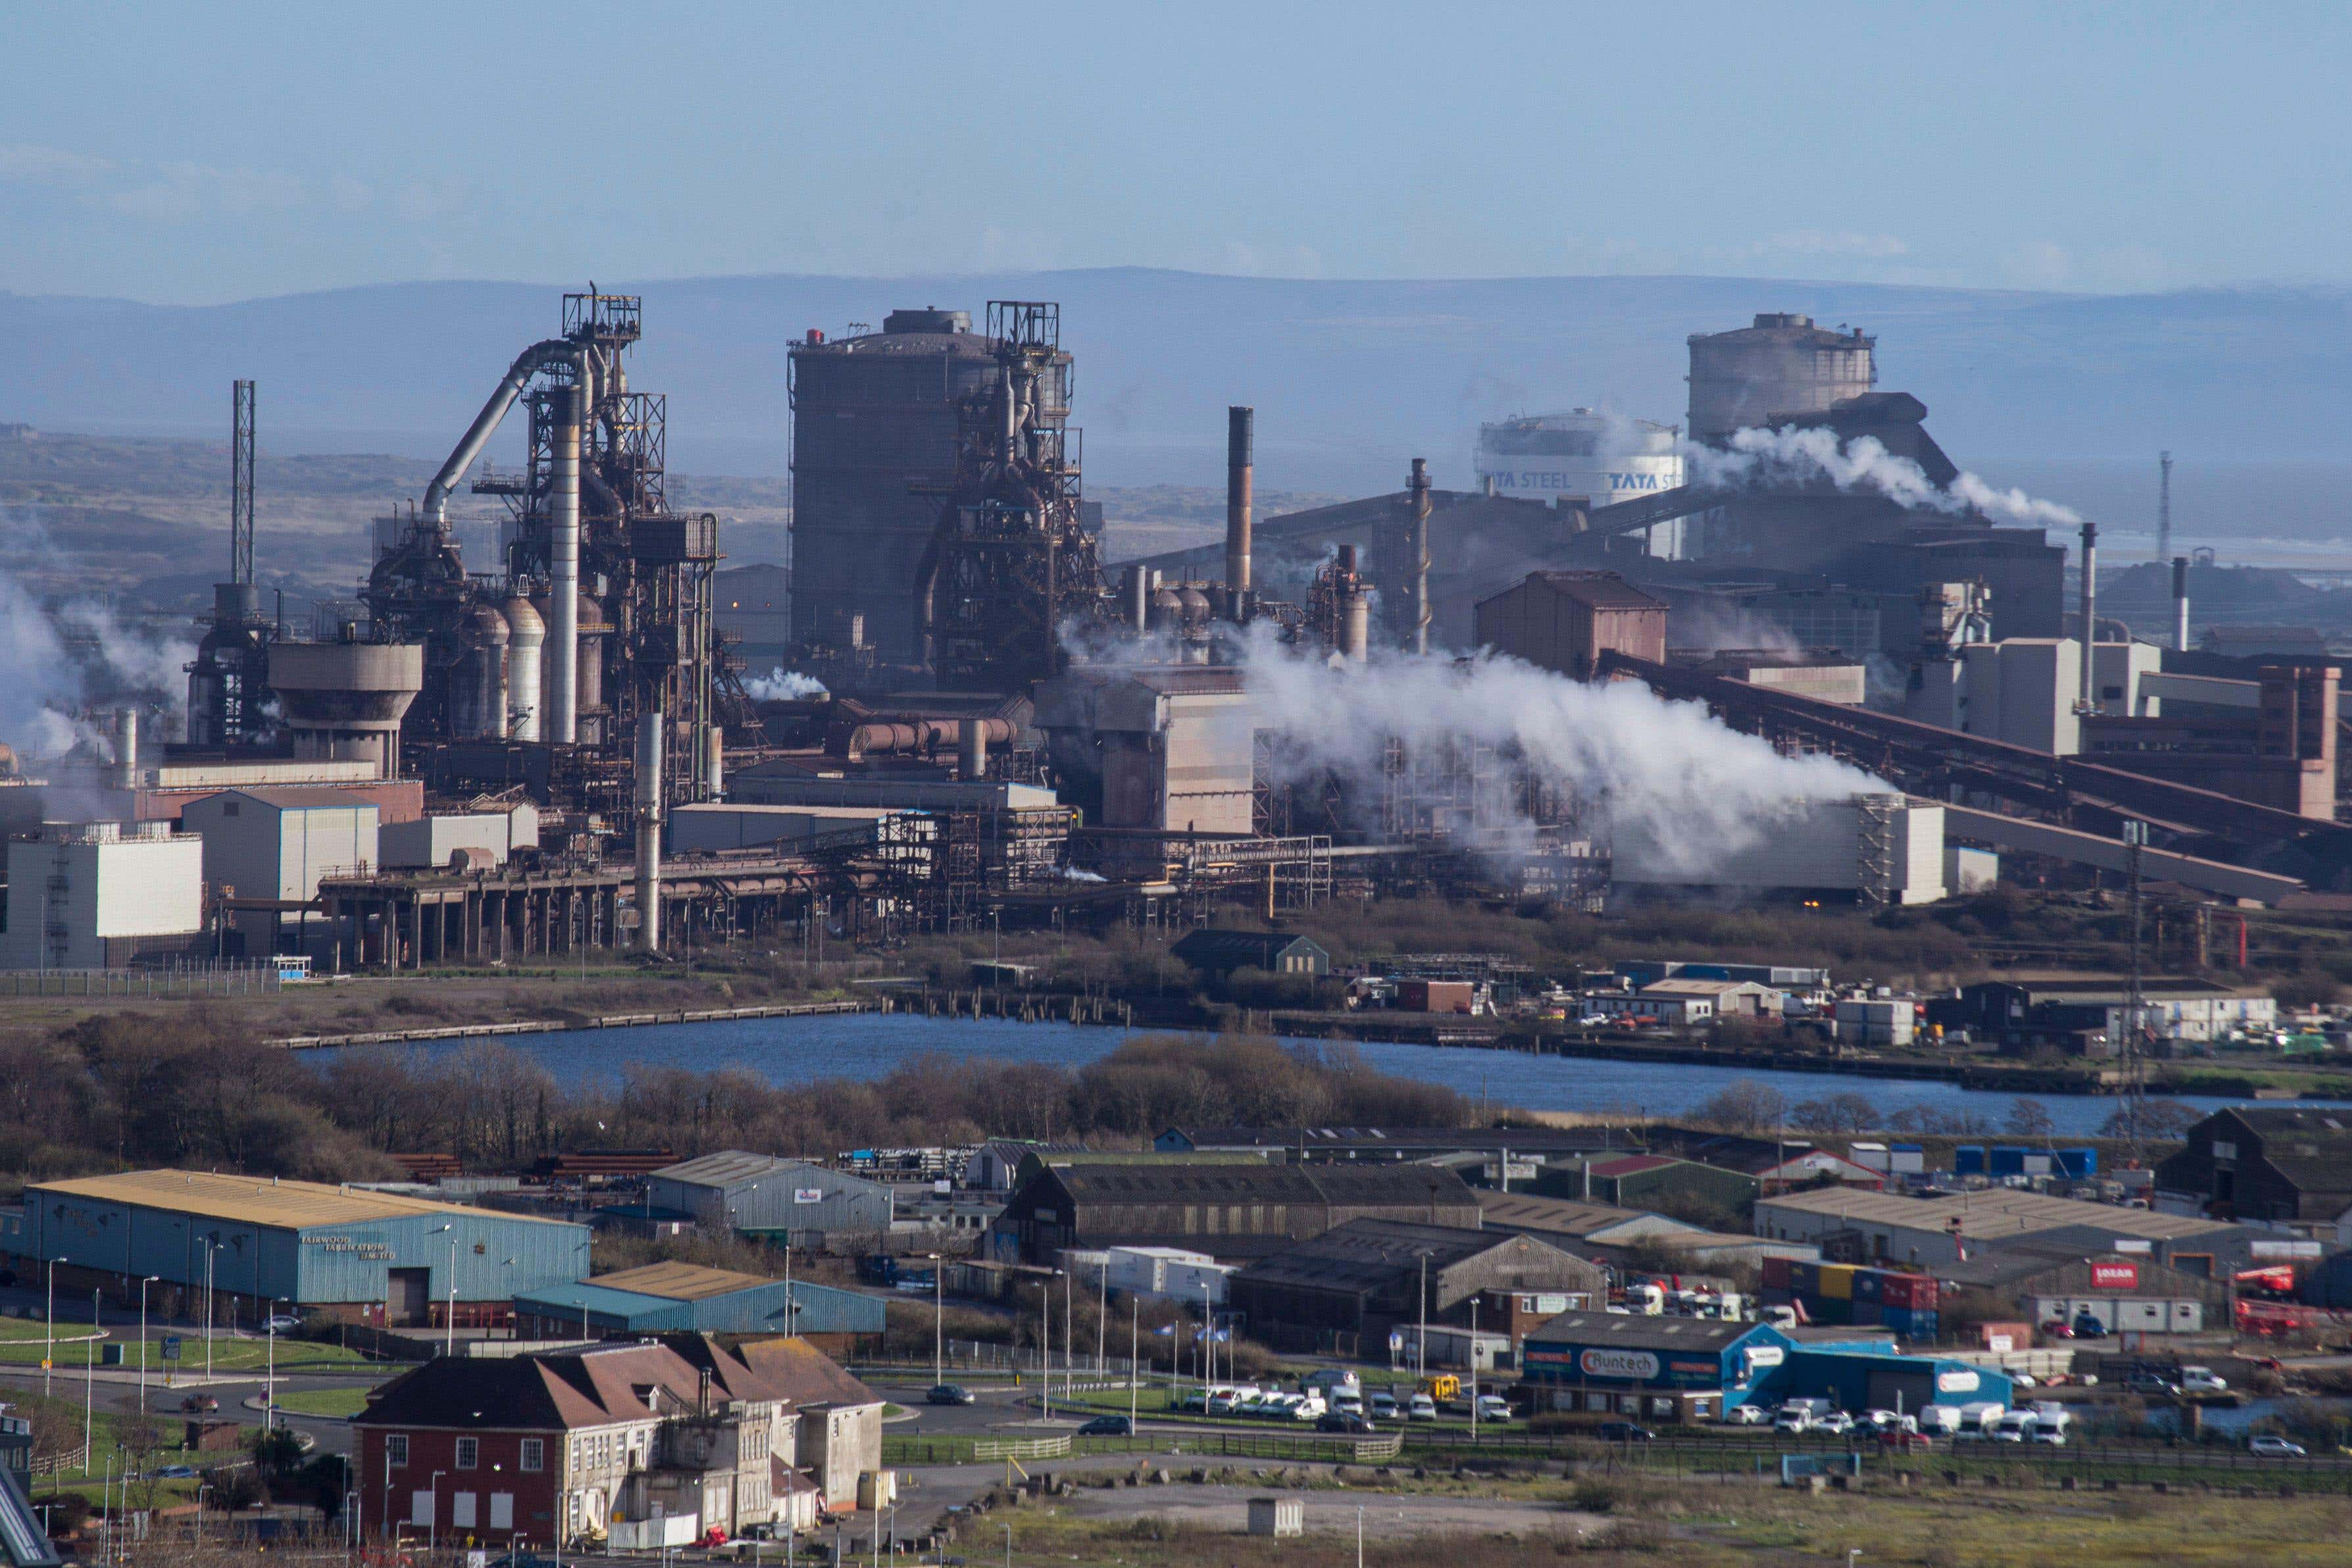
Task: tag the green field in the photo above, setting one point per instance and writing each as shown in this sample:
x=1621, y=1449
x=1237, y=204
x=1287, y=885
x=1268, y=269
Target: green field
x=22, y=1341
x=344, y=1402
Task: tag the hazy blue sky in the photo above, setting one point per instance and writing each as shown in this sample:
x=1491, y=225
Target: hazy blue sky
x=183, y=152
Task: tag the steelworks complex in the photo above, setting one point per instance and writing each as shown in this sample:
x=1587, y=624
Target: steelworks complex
x=555, y=750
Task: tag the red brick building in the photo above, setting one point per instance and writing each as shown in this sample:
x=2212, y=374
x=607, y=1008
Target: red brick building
x=584, y=1445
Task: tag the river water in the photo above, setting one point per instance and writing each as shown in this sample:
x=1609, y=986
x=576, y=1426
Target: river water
x=869, y=1045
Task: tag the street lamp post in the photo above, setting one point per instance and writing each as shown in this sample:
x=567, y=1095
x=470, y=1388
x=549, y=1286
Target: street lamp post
x=210, y=1247
x=1474, y=1369
x=269, y=1377
x=433, y=1502
x=1102, y=1317
x=1421, y=1334
x=449, y=1327
x=938, y=1318
x=150, y=1279
x=1134, y=1367
x=49, y=1350
x=89, y=1376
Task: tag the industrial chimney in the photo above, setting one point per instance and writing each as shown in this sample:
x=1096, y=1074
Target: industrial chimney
x=2180, y=603
x=1417, y=558
x=562, y=654
x=2085, y=702
x=1241, y=441
x=649, y=826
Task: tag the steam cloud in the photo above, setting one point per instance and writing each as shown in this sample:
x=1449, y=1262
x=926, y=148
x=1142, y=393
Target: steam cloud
x=60, y=660
x=1792, y=454
x=1666, y=770
x=780, y=684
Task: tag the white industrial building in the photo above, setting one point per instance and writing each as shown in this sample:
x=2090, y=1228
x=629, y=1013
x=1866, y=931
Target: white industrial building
x=264, y=851
x=2025, y=690
x=1881, y=848
x=1171, y=749
x=1167, y=1272
x=96, y=895
x=434, y=841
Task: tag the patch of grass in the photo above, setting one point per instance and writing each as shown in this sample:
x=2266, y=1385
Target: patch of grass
x=345, y=1403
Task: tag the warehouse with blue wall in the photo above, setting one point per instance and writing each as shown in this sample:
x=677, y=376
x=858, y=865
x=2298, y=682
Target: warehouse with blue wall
x=337, y=1251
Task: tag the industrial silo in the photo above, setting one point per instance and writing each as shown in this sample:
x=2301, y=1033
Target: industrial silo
x=873, y=449
x=1782, y=365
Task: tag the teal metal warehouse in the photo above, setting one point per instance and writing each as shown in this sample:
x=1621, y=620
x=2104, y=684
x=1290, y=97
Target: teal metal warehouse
x=251, y=1241
x=673, y=1298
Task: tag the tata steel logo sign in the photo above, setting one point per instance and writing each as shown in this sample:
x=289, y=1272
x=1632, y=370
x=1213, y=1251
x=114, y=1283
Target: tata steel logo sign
x=1631, y=1364
x=2115, y=1276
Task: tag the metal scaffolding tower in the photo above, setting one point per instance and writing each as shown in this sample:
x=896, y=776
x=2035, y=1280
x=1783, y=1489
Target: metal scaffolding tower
x=240, y=492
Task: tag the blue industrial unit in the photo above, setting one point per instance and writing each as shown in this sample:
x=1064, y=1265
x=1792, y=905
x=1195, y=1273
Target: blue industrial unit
x=664, y=1298
x=2009, y=1160
x=366, y=1257
x=1697, y=1368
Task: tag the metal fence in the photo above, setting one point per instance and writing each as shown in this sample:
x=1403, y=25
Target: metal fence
x=223, y=980
x=917, y=1449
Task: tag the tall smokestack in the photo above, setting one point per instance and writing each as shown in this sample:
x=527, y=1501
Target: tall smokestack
x=562, y=652
x=1137, y=595
x=1417, y=558
x=1355, y=609
x=126, y=749
x=2163, y=504
x=2090, y=614
x=649, y=826
x=2180, y=603
x=1241, y=461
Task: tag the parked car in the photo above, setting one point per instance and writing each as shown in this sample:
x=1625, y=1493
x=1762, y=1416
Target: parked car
x=1493, y=1408
x=1421, y=1408
x=2024, y=1380
x=1343, y=1423
x=280, y=1322
x=200, y=1403
x=1624, y=1432
x=2088, y=1327
x=2146, y=1382
x=1747, y=1415
x=176, y=1472
x=1896, y=1438
x=949, y=1394
x=2271, y=1446
x=1108, y=1427
x=1382, y=1407
x=2056, y=1328
x=2202, y=1380
x=1836, y=1421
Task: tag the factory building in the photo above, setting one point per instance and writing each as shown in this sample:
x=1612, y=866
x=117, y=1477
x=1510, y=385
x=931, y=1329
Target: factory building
x=2265, y=1164
x=716, y=827
x=2086, y=1016
x=266, y=850
x=99, y=897
x=1881, y=849
x=770, y=1199
x=2125, y=1294
x=1165, y=750
x=1891, y=1228
x=672, y=1297
x=874, y=423
x=355, y=1256
x=1564, y=620
x=1232, y=1211
x=1780, y=367
x=1344, y=1291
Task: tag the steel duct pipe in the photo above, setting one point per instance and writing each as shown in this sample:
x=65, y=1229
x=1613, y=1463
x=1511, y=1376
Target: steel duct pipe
x=563, y=724
x=2090, y=616
x=478, y=435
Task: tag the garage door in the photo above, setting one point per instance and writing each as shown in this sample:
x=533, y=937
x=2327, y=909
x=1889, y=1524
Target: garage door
x=410, y=1294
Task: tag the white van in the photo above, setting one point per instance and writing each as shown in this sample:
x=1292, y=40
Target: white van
x=1979, y=1418
x=1938, y=1420
x=2014, y=1427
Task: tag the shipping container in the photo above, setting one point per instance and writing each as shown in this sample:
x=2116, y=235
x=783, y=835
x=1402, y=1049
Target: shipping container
x=1837, y=1282
x=1776, y=1273
x=2006, y=1160
x=1968, y=1159
x=1870, y=1314
x=2080, y=1164
x=1805, y=1279
x=1869, y=1285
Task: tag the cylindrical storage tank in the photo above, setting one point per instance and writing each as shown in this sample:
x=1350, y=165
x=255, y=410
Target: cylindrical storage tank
x=1783, y=364
x=477, y=683
x=1167, y=608
x=126, y=749
x=972, y=749
x=872, y=416
x=1583, y=456
x=526, y=640
x=715, y=761
x=1355, y=626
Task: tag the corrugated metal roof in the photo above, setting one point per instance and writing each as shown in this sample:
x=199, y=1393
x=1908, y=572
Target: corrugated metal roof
x=679, y=1282
x=1699, y=1335
x=303, y=798
x=254, y=1200
x=727, y=1168
x=1994, y=1213
x=1600, y=589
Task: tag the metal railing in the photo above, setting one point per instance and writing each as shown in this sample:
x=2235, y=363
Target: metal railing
x=226, y=980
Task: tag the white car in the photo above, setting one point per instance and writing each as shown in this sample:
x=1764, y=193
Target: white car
x=2269, y=1445
x=1421, y=1409
x=2200, y=1380
x=1836, y=1421
x=1747, y=1415
x=1494, y=1407
x=1383, y=1406
x=281, y=1324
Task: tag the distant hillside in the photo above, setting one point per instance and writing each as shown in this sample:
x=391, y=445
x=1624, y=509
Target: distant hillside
x=1350, y=379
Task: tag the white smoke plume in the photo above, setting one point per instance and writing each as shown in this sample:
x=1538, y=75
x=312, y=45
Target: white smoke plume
x=1795, y=455
x=1666, y=770
x=780, y=684
x=57, y=660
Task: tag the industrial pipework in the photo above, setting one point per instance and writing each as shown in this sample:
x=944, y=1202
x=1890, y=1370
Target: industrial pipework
x=1241, y=440
x=2180, y=603
x=528, y=363
x=649, y=826
x=1417, y=558
x=126, y=749
x=2086, y=701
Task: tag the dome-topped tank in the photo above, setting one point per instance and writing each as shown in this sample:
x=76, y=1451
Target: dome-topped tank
x=526, y=642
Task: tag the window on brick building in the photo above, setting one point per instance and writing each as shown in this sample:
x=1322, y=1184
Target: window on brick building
x=469, y=1452
x=534, y=1454
x=395, y=1448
